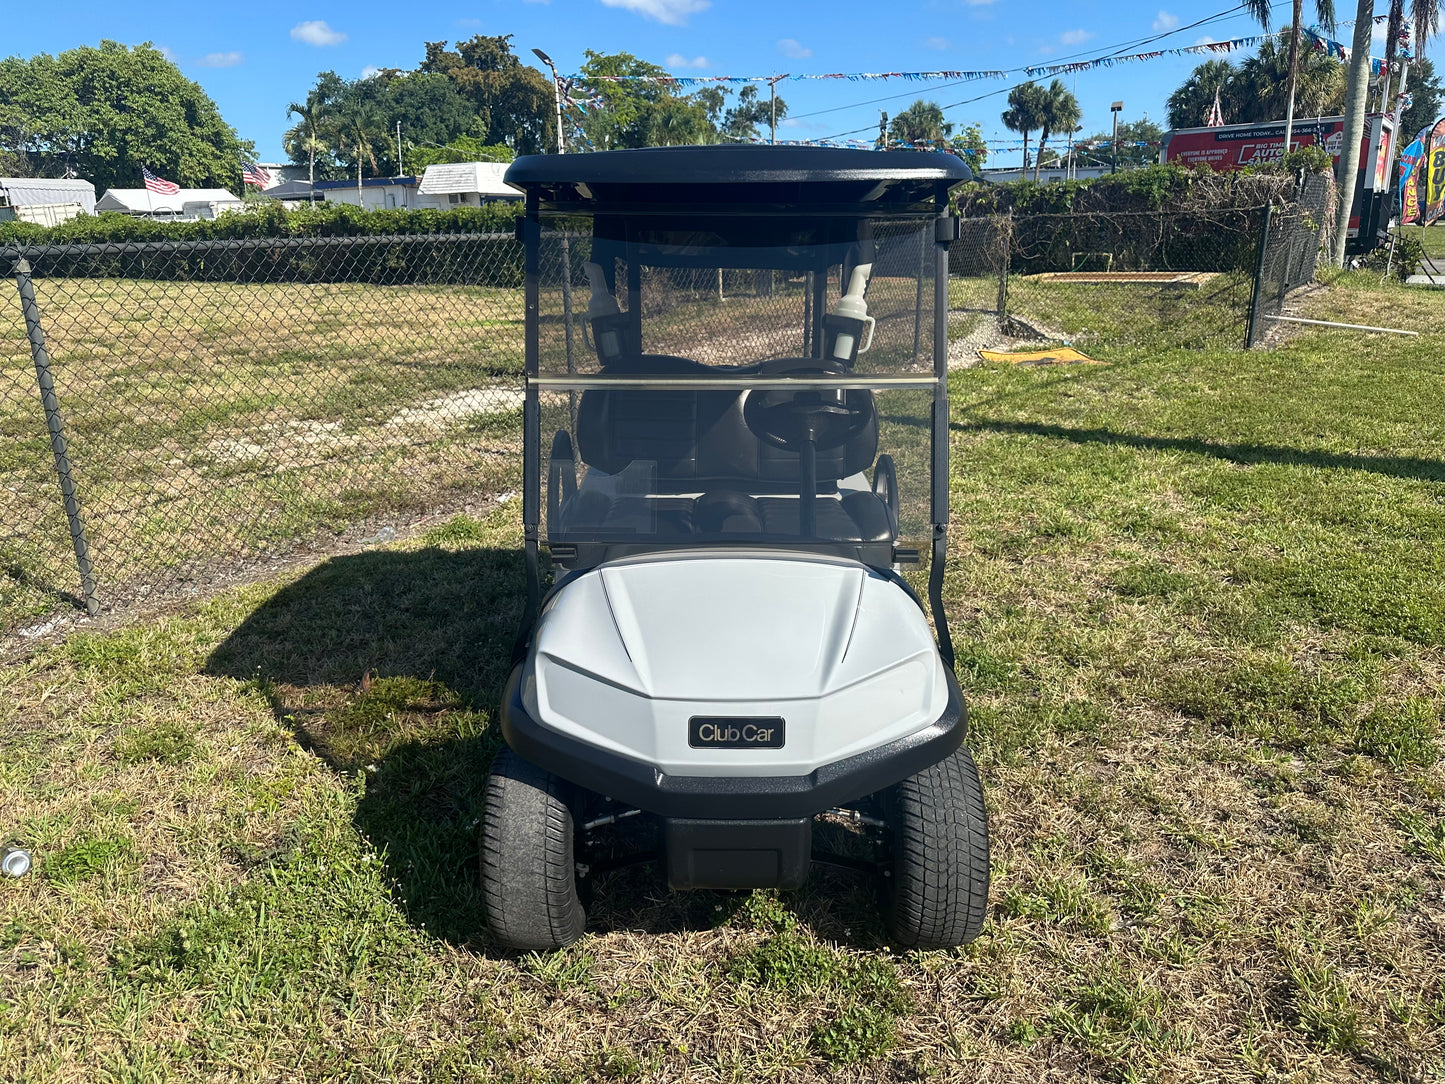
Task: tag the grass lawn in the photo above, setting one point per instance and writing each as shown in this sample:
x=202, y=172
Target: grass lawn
x=1199, y=599
x=1433, y=238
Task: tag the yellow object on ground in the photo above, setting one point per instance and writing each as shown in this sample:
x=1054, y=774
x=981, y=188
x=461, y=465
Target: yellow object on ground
x=1059, y=355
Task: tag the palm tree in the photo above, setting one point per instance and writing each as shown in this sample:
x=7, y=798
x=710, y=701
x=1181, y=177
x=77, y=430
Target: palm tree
x=921, y=122
x=1325, y=12
x=1425, y=15
x=1189, y=105
x=1060, y=114
x=358, y=127
x=314, y=114
x=1025, y=113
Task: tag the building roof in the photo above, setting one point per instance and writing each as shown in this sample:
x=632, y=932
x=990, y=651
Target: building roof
x=289, y=190
x=136, y=200
x=31, y=191
x=369, y=182
x=484, y=178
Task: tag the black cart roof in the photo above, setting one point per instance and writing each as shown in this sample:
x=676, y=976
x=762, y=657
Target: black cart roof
x=740, y=178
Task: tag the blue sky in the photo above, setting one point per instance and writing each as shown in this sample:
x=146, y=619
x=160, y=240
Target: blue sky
x=253, y=61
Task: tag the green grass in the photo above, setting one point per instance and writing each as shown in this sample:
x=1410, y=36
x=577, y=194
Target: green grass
x=1432, y=238
x=1196, y=595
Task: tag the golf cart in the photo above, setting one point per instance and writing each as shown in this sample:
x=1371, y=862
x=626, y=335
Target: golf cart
x=736, y=356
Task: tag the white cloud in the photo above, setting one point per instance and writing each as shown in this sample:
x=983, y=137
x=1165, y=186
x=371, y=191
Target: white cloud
x=677, y=60
x=671, y=12
x=1075, y=37
x=1206, y=40
x=370, y=70
x=167, y=52
x=936, y=43
x=791, y=122
x=220, y=60
x=1166, y=21
x=1378, y=33
x=317, y=32
x=790, y=48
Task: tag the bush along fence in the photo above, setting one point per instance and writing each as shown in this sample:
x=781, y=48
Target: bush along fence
x=203, y=402
x=1190, y=277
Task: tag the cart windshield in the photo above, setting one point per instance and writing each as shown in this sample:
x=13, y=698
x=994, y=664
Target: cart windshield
x=735, y=381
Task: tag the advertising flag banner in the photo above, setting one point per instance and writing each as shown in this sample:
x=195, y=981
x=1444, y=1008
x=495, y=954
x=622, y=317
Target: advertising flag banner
x=1410, y=159
x=1433, y=179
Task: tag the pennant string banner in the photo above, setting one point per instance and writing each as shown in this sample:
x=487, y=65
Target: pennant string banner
x=1320, y=44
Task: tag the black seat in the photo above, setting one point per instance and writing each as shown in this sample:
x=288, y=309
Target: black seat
x=699, y=442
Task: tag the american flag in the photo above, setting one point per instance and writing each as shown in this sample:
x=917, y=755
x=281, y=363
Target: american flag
x=251, y=173
x=1216, y=115
x=159, y=185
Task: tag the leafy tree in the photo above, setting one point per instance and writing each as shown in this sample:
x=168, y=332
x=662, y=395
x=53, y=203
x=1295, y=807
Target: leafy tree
x=358, y=128
x=1060, y=114
x=969, y=146
x=461, y=149
x=921, y=122
x=1428, y=95
x=1130, y=133
x=753, y=112
x=1027, y=105
x=641, y=112
x=105, y=112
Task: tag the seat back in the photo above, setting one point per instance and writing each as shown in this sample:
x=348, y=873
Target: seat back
x=698, y=439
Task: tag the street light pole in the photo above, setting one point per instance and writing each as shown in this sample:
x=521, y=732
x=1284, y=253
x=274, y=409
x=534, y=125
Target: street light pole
x=556, y=97
x=1115, y=108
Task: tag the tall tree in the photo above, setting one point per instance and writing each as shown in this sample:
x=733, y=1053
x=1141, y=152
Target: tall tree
x=1427, y=95
x=921, y=122
x=1025, y=112
x=1061, y=113
x=1425, y=17
x=1262, y=86
x=1131, y=154
x=1190, y=104
x=315, y=113
x=644, y=111
x=360, y=126
x=106, y=111
x=1325, y=12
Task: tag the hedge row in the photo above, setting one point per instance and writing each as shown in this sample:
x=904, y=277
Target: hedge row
x=1151, y=189
x=270, y=219
x=468, y=246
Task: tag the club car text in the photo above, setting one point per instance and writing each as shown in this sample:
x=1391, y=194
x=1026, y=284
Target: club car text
x=705, y=732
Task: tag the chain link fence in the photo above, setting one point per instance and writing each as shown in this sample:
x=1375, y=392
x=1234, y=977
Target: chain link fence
x=1182, y=279
x=171, y=410
x=1294, y=236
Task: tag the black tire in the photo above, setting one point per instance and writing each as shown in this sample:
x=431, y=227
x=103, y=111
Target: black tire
x=936, y=893
x=529, y=879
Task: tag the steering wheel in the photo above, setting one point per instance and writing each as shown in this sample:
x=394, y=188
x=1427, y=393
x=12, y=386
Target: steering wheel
x=827, y=418
x=805, y=420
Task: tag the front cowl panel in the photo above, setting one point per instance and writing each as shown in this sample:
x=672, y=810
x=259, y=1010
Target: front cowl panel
x=626, y=654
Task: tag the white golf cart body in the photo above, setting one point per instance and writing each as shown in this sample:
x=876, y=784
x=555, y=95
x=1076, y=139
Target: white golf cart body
x=744, y=455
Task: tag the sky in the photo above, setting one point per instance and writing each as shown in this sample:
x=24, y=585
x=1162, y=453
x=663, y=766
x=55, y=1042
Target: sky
x=254, y=61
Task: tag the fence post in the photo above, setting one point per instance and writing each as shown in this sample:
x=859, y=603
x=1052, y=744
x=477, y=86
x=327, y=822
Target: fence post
x=36, y=335
x=1256, y=300
x=1005, y=250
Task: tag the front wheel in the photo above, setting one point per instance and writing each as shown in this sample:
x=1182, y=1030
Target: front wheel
x=529, y=878
x=936, y=892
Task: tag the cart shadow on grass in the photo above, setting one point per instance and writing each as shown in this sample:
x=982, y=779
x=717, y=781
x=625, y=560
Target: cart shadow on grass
x=389, y=665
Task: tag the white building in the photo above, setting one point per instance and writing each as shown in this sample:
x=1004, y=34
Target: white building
x=1055, y=172
x=464, y=184
x=187, y=205
x=48, y=201
x=374, y=194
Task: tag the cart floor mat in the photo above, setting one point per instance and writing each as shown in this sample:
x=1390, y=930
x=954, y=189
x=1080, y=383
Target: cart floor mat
x=1059, y=355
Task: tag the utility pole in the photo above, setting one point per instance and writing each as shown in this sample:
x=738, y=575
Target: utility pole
x=773, y=109
x=882, y=130
x=1115, y=108
x=400, y=171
